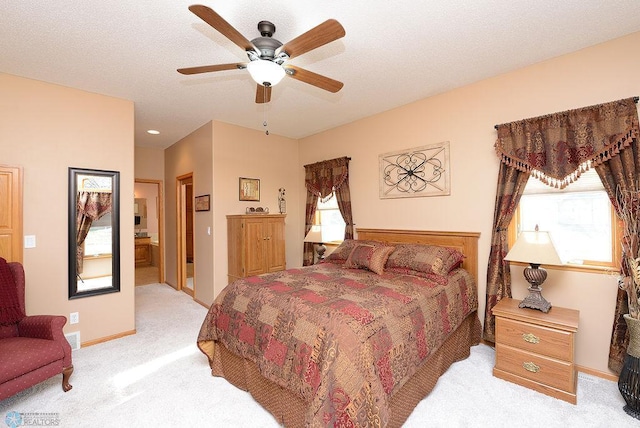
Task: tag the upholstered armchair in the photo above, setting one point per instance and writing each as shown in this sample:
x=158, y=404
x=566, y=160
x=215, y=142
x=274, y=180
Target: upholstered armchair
x=32, y=348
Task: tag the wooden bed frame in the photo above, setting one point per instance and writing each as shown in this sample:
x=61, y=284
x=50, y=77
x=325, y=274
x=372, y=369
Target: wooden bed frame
x=289, y=409
x=465, y=242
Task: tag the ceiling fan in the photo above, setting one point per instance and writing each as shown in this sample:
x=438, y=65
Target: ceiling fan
x=268, y=57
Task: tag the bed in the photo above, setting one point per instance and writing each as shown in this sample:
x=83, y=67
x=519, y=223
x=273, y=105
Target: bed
x=357, y=340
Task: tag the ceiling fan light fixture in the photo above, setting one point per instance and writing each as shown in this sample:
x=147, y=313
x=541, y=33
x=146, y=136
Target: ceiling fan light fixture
x=265, y=71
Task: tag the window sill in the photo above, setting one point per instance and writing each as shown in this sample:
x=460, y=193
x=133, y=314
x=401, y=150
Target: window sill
x=606, y=270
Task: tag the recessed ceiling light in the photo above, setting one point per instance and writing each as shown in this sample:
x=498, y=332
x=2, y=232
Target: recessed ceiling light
x=153, y=131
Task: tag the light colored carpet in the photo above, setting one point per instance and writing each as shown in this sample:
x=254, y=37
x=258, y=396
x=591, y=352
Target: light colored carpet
x=158, y=378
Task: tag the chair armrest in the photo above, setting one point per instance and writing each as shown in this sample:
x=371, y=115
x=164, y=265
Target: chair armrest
x=42, y=327
x=48, y=327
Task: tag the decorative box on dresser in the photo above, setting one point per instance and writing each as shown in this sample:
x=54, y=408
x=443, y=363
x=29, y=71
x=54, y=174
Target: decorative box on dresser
x=537, y=349
x=256, y=244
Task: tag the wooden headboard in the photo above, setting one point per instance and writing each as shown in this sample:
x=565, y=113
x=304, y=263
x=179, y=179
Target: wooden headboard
x=465, y=242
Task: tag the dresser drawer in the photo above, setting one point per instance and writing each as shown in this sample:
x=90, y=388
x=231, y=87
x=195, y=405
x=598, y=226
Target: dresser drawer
x=540, y=340
x=548, y=371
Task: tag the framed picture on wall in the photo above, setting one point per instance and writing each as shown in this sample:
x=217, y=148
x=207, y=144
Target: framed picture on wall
x=203, y=203
x=249, y=189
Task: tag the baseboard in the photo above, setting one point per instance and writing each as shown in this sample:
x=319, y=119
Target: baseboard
x=201, y=303
x=108, y=338
x=597, y=373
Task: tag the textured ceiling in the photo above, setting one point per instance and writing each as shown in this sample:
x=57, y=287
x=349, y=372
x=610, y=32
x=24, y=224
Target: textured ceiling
x=394, y=52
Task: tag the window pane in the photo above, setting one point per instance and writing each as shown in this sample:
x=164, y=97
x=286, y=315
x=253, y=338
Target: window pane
x=579, y=222
x=331, y=220
x=98, y=240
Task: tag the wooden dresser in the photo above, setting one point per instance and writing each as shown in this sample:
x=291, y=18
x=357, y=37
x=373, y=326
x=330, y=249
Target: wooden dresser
x=537, y=350
x=256, y=244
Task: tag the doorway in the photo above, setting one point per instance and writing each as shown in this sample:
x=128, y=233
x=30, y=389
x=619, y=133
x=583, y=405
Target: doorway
x=149, y=240
x=186, y=254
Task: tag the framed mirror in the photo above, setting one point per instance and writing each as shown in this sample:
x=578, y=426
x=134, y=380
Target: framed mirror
x=94, y=232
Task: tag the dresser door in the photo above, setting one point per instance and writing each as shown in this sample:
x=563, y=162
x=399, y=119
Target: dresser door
x=276, y=259
x=255, y=242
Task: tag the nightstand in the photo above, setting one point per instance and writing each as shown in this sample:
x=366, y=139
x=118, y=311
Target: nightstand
x=537, y=349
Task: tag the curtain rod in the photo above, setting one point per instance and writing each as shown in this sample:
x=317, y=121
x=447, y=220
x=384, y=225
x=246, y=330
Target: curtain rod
x=327, y=160
x=635, y=100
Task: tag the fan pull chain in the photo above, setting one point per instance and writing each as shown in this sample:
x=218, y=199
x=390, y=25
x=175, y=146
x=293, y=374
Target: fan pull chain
x=264, y=110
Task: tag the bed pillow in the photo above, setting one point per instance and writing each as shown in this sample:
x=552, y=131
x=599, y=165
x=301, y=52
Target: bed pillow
x=341, y=253
x=428, y=259
x=371, y=257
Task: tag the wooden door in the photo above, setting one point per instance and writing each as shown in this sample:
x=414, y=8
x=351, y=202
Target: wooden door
x=11, y=213
x=276, y=259
x=254, y=235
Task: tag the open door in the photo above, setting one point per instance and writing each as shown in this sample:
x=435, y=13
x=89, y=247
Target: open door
x=149, y=228
x=186, y=253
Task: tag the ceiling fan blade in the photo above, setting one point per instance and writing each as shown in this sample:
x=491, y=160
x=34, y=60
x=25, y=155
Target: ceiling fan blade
x=216, y=21
x=324, y=33
x=210, y=68
x=315, y=79
x=263, y=94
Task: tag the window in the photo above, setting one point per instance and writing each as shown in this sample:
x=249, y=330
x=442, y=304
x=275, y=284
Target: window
x=328, y=215
x=98, y=240
x=579, y=217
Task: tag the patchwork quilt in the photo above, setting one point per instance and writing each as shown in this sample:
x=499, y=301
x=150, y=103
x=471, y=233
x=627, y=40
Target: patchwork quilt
x=341, y=339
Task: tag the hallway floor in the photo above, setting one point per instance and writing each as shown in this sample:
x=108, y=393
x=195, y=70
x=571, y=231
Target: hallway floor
x=147, y=275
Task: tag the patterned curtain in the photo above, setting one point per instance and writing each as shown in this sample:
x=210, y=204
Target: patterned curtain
x=621, y=174
x=307, y=250
x=322, y=179
x=90, y=206
x=556, y=149
x=511, y=183
x=343, y=196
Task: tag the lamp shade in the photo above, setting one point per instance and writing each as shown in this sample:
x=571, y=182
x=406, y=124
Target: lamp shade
x=534, y=247
x=314, y=235
x=265, y=71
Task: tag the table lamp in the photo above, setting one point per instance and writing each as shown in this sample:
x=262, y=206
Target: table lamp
x=536, y=248
x=315, y=236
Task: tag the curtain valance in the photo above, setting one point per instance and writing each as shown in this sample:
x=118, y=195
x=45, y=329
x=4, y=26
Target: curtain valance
x=323, y=178
x=558, y=147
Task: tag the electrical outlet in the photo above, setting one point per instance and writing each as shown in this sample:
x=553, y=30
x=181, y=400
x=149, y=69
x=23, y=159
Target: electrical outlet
x=74, y=318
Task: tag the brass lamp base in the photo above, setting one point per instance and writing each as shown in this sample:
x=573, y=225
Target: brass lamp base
x=320, y=250
x=535, y=275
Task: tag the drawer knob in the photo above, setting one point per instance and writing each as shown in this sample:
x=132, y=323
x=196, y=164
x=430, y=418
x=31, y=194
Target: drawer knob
x=531, y=338
x=530, y=366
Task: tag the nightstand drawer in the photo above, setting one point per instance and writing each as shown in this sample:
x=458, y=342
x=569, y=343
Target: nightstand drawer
x=541, y=340
x=548, y=371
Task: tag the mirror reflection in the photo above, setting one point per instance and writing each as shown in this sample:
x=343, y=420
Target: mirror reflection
x=140, y=214
x=94, y=256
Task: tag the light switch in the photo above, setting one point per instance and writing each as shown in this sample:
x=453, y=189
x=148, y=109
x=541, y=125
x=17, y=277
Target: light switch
x=209, y=230
x=29, y=241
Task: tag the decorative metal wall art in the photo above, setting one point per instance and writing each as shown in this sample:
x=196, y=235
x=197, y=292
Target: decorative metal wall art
x=416, y=172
